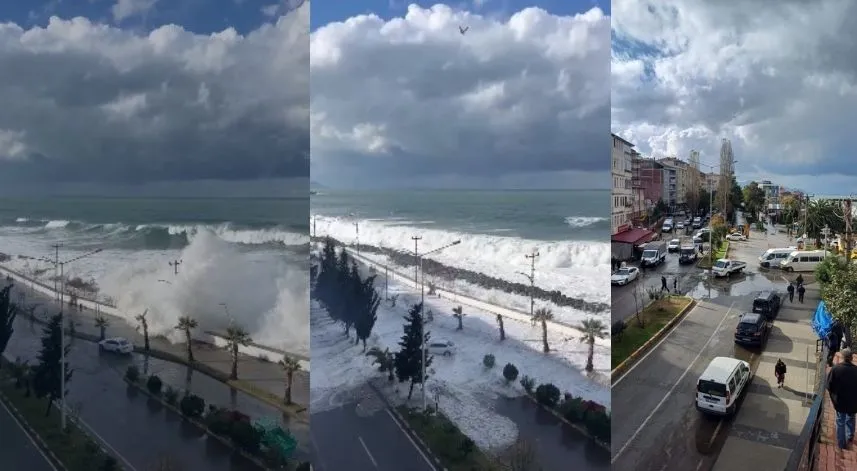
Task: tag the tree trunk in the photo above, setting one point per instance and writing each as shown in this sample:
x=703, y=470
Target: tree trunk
x=460, y=327
x=545, y=336
x=234, y=362
x=50, y=401
x=589, y=365
x=146, y=338
x=102, y=332
x=411, y=390
x=189, y=349
x=289, y=388
x=364, y=345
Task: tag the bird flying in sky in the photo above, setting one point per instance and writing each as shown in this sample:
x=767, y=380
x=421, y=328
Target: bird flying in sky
x=463, y=29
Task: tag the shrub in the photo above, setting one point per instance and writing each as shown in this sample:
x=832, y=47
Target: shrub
x=488, y=360
x=109, y=464
x=192, y=406
x=91, y=448
x=305, y=466
x=528, y=383
x=548, y=395
x=572, y=409
x=132, y=374
x=510, y=372
x=217, y=421
x=598, y=425
x=154, y=384
x=245, y=436
x=171, y=395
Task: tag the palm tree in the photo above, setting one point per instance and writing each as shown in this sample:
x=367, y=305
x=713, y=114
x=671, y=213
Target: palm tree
x=591, y=329
x=236, y=337
x=102, y=323
x=543, y=315
x=144, y=324
x=458, y=312
x=186, y=324
x=291, y=366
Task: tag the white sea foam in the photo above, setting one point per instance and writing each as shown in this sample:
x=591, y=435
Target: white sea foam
x=57, y=224
x=583, y=221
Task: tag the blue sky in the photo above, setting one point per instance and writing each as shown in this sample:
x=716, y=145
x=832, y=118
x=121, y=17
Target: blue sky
x=328, y=11
x=199, y=16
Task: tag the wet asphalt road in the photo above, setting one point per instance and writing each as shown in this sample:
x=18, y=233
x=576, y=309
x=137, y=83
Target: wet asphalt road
x=362, y=435
x=661, y=429
x=17, y=451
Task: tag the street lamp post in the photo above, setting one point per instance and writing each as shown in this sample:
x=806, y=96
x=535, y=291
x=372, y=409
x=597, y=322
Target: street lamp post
x=423, y=317
x=532, y=278
x=62, y=265
x=826, y=233
x=175, y=264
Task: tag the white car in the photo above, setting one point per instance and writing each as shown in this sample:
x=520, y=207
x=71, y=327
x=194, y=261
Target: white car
x=736, y=236
x=624, y=275
x=674, y=245
x=679, y=225
x=441, y=347
x=116, y=345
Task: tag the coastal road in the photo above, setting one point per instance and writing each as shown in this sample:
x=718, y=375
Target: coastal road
x=362, y=435
x=660, y=427
x=17, y=449
x=622, y=297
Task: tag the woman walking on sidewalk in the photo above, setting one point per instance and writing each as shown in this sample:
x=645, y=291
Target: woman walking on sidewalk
x=780, y=373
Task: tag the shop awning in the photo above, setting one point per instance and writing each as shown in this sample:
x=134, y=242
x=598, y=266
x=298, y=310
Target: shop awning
x=635, y=236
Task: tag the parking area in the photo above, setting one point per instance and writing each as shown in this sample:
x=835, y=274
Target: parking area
x=663, y=430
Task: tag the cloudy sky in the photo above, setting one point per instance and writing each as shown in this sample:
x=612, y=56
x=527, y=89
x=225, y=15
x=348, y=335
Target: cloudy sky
x=150, y=90
x=775, y=77
x=400, y=98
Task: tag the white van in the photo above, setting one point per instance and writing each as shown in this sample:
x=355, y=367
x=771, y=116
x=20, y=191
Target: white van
x=802, y=260
x=721, y=385
x=772, y=257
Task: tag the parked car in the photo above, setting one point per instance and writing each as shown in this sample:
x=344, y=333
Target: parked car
x=768, y=304
x=679, y=225
x=674, y=245
x=726, y=267
x=441, y=347
x=736, y=236
x=624, y=275
x=721, y=385
x=116, y=345
x=752, y=329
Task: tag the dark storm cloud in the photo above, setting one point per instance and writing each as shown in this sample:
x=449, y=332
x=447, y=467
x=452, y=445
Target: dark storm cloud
x=83, y=102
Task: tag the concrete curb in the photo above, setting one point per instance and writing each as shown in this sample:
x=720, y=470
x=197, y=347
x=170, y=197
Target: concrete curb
x=225, y=441
x=573, y=425
x=196, y=366
x=405, y=425
x=32, y=433
x=633, y=357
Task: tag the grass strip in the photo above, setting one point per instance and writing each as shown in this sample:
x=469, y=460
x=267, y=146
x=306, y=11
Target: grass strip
x=722, y=252
x=452, y=447
x=74, y=448
x=654, y=317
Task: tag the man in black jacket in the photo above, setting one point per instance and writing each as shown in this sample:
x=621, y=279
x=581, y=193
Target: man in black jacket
x=842, y=386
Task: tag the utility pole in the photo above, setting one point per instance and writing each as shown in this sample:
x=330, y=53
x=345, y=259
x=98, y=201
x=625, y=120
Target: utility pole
x=357, y=230
x=826, y=233
x=416, y=240
x=175, y=264
x=313, y=227
x=848, y=230
x=532, y=277
x=56, y=268
x=386, y=282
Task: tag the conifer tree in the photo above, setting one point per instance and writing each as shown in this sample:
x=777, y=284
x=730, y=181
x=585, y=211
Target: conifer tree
x=47, y=373
x=409, y=359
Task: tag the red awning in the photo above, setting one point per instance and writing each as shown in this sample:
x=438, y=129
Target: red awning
x=634, y=236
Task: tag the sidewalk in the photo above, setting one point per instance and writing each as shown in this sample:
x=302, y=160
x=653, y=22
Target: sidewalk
x=266, y=376
x=829, y=457
x=770, y=419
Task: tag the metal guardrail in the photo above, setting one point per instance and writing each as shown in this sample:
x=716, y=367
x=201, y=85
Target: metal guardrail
x=802, y=457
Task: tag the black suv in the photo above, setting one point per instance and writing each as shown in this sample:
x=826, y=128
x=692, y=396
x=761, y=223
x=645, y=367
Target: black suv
x=767, y=303
x=752, y=329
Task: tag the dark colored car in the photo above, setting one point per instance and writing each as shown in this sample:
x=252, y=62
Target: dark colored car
x=752, y=330
x=768, y=304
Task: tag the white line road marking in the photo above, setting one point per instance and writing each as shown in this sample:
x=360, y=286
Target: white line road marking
x=716, y=431
x=428, y=461
x=699, y=466
x=673, y=388
x=368, y=453
x=27, y=434
x=655, y=347
x=104, y=442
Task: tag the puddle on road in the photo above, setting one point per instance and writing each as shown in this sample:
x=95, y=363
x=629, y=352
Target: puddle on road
x=739, y=285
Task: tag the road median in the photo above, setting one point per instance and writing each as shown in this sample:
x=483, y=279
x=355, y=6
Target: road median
x=657, y=319
x=722, y=252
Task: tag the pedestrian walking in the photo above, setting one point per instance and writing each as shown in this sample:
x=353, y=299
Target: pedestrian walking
x=675, y=285
x=800, y=292
x=791, y=290
x=799, y=280
x=842, y=387
x=834, y=343
x=780, y=373
x=664, y=286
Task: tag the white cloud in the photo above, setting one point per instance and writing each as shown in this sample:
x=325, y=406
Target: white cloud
x=777, y=78
x=90, y=100
x=124, y=9
x=413, y=96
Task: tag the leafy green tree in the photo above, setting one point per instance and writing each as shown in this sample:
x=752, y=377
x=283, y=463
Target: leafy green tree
x=8, y=312
x=839, y=296
x=235, y=338
x=47, y=374
x=753, y=197
x=409, y=359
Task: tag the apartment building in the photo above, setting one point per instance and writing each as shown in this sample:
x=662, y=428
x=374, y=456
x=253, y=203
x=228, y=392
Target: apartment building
x=648, y=180
x=676, y=184
x=623, y=194
x=710, y=181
